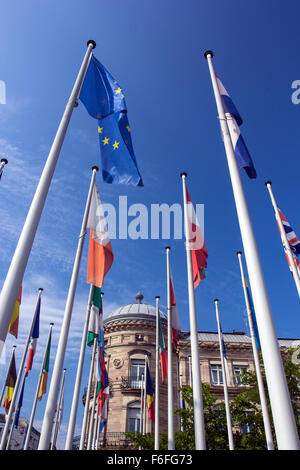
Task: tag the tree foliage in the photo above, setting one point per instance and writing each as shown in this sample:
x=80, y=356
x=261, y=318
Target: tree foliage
x=245, y=414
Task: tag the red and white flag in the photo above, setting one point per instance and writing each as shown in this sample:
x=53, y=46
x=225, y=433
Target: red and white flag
x=197, y=244
x=33, y=340
x=175, y=323
x=100, y=257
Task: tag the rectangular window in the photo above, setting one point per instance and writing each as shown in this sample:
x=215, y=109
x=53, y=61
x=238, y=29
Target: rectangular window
x=237, y=372
x=216, y=374
x=137, y=373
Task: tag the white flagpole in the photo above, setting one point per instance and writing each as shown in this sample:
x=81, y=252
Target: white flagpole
x=156, y=424
x=145, y=397
x=226, y=397
x=73, y=414
x=284, y=420
x=8, y=369
x=171, y=436
x=200, y=443
x=61, y=348
x=18, y=263
x=87, y=398
x=286, y=244
x=92, y=417
x=58, y=413
x=260, y=383
x=15, y=415
x=141, y=410
x=16, y=388
x=30, y=424
x=4, y=162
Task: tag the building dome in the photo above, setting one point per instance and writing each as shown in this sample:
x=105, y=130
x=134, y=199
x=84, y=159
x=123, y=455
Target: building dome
x=135, y=311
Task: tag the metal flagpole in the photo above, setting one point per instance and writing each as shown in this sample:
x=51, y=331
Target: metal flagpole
x=61, y=348
x=200, y=443
x=286, y=244
x=18, y=263
x=260, y=384
x=87, y=398
x=15, y=415
x=145, y=397
x=171, y=436
x=16, y=388
x=141, y=408
x=4, y=385
x=190, y=371
x=30, y=424
x=284, y=420
x=73, y=413
x=226, y=398
x=156, y=423
x=4, y=162
x=92, y=418
x=58, y=413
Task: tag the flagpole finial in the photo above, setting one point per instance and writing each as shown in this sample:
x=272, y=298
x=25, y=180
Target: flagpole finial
x=4, y=160
x=51, y=324
x=41, y=289
x=91, y=42
x=268, y=182
x=157, y=297
x=95, y=168
x=238, y=252
x=207, y=53
x=216, y=300
x=183, y=173
x=168, y=248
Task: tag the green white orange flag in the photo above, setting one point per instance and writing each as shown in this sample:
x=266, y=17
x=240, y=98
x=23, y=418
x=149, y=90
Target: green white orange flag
x=162, y=352
x=44, y=379
x=10, y=383
x=95, y=316
x=14, y=322
x=100, y=257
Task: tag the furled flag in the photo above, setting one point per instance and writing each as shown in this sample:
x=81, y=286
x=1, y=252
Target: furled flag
x=253, y=317
x=103, y=416
x=162, y=352
x=175, y=324
x=292, y=239
x=104, y=101
x=234, y=120
x=34, y=337
x=14, y=322
x=44, y=379
x=150, y=396
x=197, y=244
x=95, y=314
x=100, y=256
x=19, y=406
x=10, y=383
x=103, y=395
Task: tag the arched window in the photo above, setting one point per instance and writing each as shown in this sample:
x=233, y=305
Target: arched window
x=134, y=416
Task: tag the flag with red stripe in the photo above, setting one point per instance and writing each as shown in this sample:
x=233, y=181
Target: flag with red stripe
x=197, y=244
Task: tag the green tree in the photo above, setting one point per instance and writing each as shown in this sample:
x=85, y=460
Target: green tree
x=245, y=414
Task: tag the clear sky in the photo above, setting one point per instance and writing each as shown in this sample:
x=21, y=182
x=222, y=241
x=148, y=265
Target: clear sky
x=155, y=51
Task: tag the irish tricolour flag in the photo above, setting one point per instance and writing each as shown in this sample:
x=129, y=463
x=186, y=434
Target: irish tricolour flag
x=100, y=255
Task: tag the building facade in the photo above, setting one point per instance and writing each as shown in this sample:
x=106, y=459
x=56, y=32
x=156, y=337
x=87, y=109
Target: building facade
x=130, y=337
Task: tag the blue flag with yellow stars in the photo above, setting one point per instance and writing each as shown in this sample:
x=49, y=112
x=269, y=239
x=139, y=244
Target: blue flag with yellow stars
x=104, y=101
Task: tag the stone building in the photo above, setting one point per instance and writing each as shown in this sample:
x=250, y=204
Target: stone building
x=129, y=333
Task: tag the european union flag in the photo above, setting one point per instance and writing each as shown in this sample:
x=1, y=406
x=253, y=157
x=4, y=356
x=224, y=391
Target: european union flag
x=104, y=100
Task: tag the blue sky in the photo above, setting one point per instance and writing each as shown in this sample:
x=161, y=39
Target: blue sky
x=155, y=51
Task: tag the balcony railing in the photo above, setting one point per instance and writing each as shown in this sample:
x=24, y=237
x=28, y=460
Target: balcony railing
x=131, y=382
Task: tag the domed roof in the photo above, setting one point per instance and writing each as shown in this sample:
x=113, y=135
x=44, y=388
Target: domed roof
x=135, y=311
